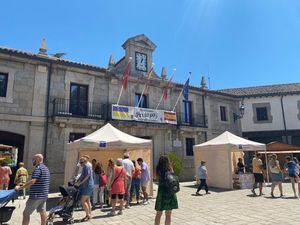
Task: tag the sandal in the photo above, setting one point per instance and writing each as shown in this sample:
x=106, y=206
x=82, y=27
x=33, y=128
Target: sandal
x=87, y=218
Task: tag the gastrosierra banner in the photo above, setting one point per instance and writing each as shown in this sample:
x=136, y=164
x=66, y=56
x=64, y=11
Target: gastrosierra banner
x=120, y=112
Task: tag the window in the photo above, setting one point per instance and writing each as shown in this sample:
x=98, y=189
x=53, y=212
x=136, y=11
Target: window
x=3, y=84
x=223, y=113
x=187, y=109
x=189, y=143
x=143, y=102
x=262, y=113
x=79, y=99
x=75, y=136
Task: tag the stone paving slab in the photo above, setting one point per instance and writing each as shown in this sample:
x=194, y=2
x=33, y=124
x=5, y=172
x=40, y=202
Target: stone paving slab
x=237, y=207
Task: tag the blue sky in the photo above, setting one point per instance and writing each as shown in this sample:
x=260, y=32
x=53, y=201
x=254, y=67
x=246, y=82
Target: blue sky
x=237, y=43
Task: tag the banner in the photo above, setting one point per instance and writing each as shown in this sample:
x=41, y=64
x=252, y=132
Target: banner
x=143, y=115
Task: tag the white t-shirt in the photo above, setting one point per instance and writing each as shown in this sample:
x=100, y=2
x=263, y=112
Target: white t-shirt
x=128, y=165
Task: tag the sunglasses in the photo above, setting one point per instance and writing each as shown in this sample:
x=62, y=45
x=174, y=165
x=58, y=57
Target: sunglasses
x=81, y=162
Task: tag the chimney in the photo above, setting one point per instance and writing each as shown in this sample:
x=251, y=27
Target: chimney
x=43, y=48
x=203, y=83
x=163, y=73
x=111, y=62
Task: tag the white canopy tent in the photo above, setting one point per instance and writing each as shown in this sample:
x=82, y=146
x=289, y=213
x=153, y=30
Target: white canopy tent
x=105, y=143
x=221, y=154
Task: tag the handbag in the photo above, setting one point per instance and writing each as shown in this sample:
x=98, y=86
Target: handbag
x=103, y=179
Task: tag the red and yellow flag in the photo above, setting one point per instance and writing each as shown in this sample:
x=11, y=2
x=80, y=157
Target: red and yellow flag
x=166, y=88
x=126, y=75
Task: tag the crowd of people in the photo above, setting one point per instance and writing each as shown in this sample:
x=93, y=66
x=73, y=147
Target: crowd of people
x=122, y=180
x=119, y=182
x=125, y=182
x=277, y=173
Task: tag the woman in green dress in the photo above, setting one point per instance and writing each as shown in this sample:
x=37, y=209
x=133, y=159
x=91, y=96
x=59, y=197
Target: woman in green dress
x=164, y=201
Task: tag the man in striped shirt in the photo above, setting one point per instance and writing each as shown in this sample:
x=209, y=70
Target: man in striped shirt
x=38, y=192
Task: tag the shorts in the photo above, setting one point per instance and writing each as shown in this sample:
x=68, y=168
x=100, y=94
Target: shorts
x=120, y=196
x=293, y=175
x=276, y=177
x=258, y=177
x=88, y=191
x=34, y=204
x=144, y=183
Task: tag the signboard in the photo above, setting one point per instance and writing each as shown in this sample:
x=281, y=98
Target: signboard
x=102, y=144
x=177, y=143
x=143, y=115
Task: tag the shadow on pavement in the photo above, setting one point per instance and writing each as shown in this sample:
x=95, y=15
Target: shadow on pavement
x=289, y=197
x=211, y=189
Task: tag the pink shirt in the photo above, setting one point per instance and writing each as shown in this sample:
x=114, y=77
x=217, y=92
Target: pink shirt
x=5, y=172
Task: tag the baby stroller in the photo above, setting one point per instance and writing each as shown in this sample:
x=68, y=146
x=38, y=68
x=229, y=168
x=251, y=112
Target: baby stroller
x=6, y=211
x=65, y=206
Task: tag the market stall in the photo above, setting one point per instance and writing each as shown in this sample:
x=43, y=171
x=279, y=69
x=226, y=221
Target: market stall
x=105, y=143
x=282, y=150
x=221, y=156
x=9, y=154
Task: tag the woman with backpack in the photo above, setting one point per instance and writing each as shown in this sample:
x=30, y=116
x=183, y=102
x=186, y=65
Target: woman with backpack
x=164, y=200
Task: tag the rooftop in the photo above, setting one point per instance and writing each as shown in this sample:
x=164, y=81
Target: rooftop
x=267, y=90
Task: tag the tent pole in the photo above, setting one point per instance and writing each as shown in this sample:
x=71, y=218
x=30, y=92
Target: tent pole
x=267, y=169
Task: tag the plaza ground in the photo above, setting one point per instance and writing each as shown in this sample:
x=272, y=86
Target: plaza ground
x=220, y=207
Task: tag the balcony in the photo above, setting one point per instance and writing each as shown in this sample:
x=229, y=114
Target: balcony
x=82, y=109
x=195, y=120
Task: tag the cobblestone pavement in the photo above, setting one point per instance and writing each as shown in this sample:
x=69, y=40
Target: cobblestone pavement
x=220, y=207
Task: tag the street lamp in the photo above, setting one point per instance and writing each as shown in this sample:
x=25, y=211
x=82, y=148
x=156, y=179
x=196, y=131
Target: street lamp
x=241, y=113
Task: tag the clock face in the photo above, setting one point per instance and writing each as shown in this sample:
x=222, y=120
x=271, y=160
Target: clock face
x=140, y=61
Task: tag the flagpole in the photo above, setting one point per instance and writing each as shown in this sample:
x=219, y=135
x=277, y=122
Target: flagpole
x=121, y=91
x=180, y=95
x=120, y=94
x=162, y=95
x=145, y=85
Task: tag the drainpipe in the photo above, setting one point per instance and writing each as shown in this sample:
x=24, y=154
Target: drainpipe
x=283, y=116
x=47, y=111
x=204, y=117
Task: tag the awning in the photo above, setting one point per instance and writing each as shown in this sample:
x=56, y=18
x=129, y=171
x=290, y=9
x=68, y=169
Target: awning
x=279, y=152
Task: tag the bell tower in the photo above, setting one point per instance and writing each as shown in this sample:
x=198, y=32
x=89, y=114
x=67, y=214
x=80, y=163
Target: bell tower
x=140, y=48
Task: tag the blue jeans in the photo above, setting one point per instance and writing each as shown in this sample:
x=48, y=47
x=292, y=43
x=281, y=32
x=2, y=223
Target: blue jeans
x=135, y=185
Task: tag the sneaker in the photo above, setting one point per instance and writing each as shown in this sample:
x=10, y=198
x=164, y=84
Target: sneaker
x=111, y=213
x=253, y=192
x=208, y=193
x=127, y=206
x=198, y=194
x=146, y=203
x=120, y=212
x=295, y=196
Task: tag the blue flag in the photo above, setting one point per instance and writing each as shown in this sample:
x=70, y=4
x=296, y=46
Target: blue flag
x=185, y=90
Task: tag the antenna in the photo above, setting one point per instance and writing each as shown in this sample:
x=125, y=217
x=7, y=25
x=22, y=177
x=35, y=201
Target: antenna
x=208, y=77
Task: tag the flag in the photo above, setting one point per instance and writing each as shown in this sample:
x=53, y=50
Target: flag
x=150, y=73
x=126, y=75
x=185, y=90
x=166, y=88
x=146, y=87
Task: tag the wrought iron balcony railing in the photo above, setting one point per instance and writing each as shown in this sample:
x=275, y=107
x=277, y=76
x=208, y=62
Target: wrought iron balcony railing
x=83, y=109
x=194, y=120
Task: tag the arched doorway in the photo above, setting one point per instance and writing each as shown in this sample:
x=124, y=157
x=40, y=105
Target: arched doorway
x=17, y=140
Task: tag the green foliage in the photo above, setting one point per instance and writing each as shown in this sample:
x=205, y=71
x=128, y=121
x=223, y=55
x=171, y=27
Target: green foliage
x=176, y=163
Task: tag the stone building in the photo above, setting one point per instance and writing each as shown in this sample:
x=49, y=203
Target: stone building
x=47, y=101
x=272, y=112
